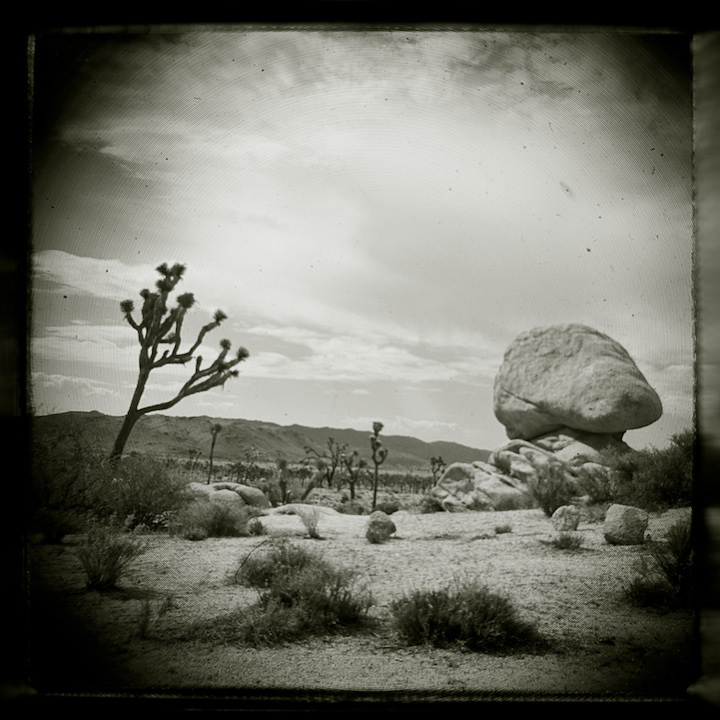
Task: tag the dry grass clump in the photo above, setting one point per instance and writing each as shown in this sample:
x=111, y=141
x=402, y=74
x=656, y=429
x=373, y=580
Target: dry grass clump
x=301, y=595
x=466, y=614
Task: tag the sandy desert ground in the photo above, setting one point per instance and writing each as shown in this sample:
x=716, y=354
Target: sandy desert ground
x=85, y=642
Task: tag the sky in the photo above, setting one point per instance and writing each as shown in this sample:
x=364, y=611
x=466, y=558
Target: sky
x=379, y=214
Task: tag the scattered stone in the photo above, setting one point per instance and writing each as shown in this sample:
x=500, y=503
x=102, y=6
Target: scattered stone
x=566, y=518
x=379, y=527
x=625, y=525
x=571, y=376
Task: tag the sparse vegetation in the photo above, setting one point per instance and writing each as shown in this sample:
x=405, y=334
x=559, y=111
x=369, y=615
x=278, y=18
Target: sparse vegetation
x=551, y=487
x=300, y=595
x=105, y=554
x=150, y=613
x=665, y=575
x=466, y=614
x=655, y=479
x=566, y=540
x=202, y=519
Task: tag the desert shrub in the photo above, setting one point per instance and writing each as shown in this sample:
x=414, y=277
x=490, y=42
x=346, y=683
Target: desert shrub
x=504, y=528
x=465, y=614
x=567, y=541
x=255, y=527
x=596, y=484
x=105, y=554
x=56, y=524
x=655, y=479
x=301, y=594
x=63, y=472
x=151, y=612
x=551, y=488
x=310, y=518
x=281, y=557
x=201, y=519
x=141, y=489
x=664, y=577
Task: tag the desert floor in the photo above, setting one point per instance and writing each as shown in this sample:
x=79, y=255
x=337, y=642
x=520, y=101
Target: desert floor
x=84, y=642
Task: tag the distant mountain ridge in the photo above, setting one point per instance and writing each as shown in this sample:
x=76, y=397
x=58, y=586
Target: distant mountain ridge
x=172, y=436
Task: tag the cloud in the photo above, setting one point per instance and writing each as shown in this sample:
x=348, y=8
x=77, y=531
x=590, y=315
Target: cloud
x=86, y=386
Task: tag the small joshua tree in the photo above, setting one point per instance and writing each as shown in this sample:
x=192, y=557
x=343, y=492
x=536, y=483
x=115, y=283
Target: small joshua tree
x=158, y=326
x=214, y=430
x=329, y=460
x=282, y=470
x=379, y=455
x=354, y=465
x=437, y=465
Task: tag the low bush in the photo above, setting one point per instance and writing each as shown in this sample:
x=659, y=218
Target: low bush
x=653, y=479
x=300, y=595
x=141, y=490
x=105, y=554
x=665, y=576
x=567, y=541
x=551, y=488
x=467, y=615
x=501, y=529
x=281, y=557
x=56, y=524
x=202, y=518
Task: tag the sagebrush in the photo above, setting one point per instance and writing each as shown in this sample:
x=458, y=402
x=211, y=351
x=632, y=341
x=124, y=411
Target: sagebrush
x=300, y=594
x=665, y=575
x=106, y=552
x=465, y=614
x=203, y=518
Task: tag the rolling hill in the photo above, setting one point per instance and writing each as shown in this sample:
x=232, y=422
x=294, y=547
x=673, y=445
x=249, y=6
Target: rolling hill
x=164, y=435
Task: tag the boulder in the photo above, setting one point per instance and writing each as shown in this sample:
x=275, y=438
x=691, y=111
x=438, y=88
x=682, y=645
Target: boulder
x=625, y=525
x=571, y=376
x=226, y=497
x=479, y=486
x=253, y=496
x=566, y=518
x=379, y=527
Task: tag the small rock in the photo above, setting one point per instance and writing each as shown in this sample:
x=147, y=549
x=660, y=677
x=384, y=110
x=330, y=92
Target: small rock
x=566, y=518
x=379, y=527
x=625, y=525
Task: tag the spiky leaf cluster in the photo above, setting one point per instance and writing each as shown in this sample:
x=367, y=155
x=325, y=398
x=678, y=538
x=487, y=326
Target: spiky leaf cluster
x=160, y=325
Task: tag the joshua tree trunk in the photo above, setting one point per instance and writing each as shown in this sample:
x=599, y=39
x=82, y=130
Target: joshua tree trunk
x=133, y=415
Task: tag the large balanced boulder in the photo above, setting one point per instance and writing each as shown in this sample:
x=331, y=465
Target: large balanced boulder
x=571, y=376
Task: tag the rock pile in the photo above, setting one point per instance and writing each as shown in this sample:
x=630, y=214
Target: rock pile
x=566, y=394
x=230, y=492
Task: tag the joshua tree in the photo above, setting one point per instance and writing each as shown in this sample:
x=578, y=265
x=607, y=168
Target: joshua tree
x=194, y=457
x=437, y=465
x=379, y=455
x=282, y=468
x=158, y=325
x=328, y=461
x=214, y=429
x=354, y=465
